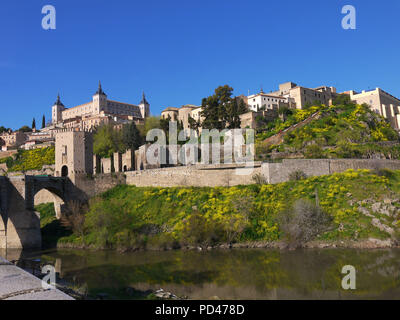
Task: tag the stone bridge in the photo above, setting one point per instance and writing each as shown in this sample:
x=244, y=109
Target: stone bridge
x=19, y=223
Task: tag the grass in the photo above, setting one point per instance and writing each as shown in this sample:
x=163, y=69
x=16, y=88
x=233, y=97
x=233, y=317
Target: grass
x=131, y=217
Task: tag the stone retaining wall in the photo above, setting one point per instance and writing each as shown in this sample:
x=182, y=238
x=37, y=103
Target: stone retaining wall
x=279, y=172
x=200, y=176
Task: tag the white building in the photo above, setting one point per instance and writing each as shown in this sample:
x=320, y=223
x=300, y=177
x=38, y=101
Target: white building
x=263, y=101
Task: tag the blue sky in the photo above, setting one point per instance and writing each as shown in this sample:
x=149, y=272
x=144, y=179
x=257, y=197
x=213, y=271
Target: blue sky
x=179, y=51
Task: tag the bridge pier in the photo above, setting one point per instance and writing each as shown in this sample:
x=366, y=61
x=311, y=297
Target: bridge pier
x=23, y=230
x=19, y=223
x=3, y=237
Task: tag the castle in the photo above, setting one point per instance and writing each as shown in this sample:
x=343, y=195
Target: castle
x=98, y=111
x=84, y=117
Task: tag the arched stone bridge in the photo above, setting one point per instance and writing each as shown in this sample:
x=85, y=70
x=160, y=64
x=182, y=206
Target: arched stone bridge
x=19, y=223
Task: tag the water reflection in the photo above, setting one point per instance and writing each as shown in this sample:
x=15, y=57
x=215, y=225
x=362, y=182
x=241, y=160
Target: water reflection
x=235, y=274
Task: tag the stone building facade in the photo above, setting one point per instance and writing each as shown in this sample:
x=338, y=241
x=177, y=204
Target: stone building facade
x=12, y=140
x=182, y=114
x=98, y=111
x=302, y=96
x=74, y=153
x=380, y=102
x=262, y=101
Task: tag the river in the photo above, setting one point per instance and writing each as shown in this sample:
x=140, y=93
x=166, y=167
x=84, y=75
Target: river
x=227, y=274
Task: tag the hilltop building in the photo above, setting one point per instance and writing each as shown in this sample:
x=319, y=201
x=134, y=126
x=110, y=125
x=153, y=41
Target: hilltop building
x=263, y=102
x=182, y=114
x=300, y=96
x=381, y=102
x=98, y=111
x=10, y=140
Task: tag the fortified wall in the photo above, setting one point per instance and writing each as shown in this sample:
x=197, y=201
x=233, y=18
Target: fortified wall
x=74, y=158
x=195, y=175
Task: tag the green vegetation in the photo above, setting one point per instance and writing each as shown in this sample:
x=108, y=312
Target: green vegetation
x=25, y=129
x=342, y=131
x=129, y=217
x=221, y=111
x=30, y=159
x=52, y=229
x=108, y=139
x=4, y=129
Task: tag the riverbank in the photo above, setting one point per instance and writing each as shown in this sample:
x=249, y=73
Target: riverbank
x=363, y=208
x=370, y=243
x=17, y=284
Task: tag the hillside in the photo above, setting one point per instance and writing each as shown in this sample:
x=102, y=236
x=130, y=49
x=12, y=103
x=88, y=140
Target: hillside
x=342, y=131
x=361, y=204
x=26, y=160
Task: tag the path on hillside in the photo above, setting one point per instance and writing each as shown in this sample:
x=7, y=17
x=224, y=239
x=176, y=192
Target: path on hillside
x=278, y=138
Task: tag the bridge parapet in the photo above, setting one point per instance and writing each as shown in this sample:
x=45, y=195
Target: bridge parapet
x=20, y=224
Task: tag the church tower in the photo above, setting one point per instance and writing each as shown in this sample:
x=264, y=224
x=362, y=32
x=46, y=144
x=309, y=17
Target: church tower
x=144, y=107
x=57, y=109
x=99, y=100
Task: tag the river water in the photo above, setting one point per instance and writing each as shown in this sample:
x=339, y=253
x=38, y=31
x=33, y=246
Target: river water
x=227, y=274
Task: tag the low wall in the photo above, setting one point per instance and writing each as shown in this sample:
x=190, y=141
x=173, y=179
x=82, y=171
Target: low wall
x=83, y=187
x=279, y=172
x=47, y=170
x=197, y=175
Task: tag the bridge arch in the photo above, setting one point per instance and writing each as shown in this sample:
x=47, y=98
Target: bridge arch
x=49, y=195
x=19, y=223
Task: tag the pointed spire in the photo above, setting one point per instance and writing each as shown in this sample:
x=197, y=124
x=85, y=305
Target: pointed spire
x=100, y=90
x=58, y=102
x=144, y=101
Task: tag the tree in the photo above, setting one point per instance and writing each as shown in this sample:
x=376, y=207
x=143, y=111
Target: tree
x=43, y=122
x=193, y=124
x=25, y=129
x=234, y=109
x=33, y=123
x=149, y=124
x=164, y=125
x=4, y=129
x=342, y=99
x=131, y=137
x=214, y=108
x=303, y=222
x=221, y=110
x=107, y=140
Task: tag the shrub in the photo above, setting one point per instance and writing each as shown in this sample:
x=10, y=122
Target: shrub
x=259, y=178
x=32, y=159
x=199, y=231
x=74, y=218
x=384, y=173
x=297, y=175
x=314, y=151
x=303, y=222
